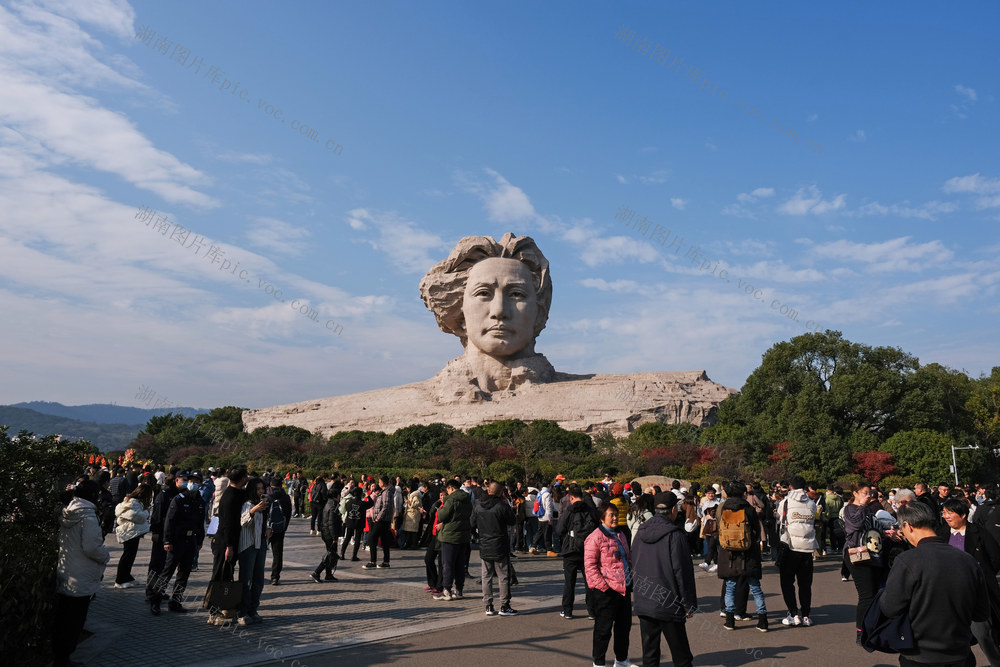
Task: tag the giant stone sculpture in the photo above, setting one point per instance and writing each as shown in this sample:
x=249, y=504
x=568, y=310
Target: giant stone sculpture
x=495, y=296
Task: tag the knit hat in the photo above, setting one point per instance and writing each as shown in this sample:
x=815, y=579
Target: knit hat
x=617, y=488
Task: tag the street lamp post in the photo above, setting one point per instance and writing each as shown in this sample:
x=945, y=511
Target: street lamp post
x=954, y=461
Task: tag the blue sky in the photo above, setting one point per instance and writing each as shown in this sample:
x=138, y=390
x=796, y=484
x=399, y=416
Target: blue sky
x=879, y=216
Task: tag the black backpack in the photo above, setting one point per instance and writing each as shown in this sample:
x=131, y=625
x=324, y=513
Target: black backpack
x=578, y=526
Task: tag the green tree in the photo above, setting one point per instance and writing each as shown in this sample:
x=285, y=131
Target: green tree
x=419, y=441
x=501, y=432
x=984, y=409
x=816, y=390
x=33, y=474
x=923, y=453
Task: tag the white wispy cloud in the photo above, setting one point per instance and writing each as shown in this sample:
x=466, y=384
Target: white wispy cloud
x=403, y=242
x=859, y=136
x=927, y=211
x=968, y=93
x=746, y=200
x=616, y=250
x=678, y=203
x=621, y=286
x=277, y=236
x=809, y=201
x=969, y=97
x=658, y=176
x=894, y=255
x=989, y=188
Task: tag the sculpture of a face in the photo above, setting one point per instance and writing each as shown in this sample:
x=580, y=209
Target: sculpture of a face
x=500, y=306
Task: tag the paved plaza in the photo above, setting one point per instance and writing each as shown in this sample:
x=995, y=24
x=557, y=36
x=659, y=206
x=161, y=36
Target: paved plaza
x=376, y=617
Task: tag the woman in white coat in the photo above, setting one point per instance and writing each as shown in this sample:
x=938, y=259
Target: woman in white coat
x=133, y=522
x=82, y=557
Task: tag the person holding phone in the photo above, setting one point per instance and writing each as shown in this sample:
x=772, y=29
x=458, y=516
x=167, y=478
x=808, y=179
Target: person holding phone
x=254, y=534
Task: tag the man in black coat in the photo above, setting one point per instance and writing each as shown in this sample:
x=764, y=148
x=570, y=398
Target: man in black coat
x=940, y=587
x=183, y=531
x=157, y=515
x=663, y=577
x=277, y=541
x=331, y=526
x=580, y=519
x=493, y=517
x=226, y=543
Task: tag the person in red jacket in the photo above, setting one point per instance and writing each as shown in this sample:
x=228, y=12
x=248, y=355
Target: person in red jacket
x=607, y=564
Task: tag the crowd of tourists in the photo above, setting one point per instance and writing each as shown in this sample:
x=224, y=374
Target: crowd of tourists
x=632, y=549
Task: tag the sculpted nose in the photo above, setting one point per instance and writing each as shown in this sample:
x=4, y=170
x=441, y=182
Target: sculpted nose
x=498, y=306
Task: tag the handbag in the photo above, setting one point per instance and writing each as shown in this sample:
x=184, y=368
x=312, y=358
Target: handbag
x=223, y=595
x=859, y=555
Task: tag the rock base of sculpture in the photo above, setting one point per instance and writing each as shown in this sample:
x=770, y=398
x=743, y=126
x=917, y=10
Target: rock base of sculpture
x=587, y=403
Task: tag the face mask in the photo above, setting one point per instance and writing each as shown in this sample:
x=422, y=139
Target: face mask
x=192, y=486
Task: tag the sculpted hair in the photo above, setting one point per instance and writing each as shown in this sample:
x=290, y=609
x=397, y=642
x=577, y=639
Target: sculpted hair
x=443, y=288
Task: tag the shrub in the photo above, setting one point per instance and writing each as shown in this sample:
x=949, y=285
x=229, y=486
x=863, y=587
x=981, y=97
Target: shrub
x=33, y=474
x=502, y=471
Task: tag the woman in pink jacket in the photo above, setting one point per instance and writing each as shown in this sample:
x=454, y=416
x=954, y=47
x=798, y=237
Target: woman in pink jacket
x=607, y=563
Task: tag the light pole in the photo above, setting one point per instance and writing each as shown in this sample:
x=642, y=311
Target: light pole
x=954, y=462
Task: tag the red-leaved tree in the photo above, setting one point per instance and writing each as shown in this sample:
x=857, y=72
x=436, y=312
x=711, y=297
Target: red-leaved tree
x=874, y=466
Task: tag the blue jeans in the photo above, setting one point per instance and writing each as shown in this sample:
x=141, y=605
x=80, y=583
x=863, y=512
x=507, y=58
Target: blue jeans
x=252, y=579
x=758, y=595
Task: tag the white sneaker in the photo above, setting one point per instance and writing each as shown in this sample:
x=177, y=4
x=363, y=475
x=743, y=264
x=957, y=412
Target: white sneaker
x=704, y=566
x=627, y=663
x=791, y=620
x=714, y=568
x=806, y=622
x=722, y=613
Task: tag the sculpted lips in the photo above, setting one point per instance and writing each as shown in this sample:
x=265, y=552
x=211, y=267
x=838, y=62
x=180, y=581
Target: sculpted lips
x=499, y=329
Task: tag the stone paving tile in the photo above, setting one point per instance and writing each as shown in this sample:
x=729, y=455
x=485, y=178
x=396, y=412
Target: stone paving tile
x=301, y=617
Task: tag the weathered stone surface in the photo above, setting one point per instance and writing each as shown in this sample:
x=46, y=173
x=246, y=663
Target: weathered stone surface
x=588, y=403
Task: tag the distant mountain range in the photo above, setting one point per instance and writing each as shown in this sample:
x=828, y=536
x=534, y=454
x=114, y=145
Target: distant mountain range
x=107, y=426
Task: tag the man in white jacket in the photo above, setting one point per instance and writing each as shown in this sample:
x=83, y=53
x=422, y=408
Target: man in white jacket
x=797, y=530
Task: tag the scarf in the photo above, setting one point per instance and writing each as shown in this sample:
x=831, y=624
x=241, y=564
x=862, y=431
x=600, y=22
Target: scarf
x=622, y=555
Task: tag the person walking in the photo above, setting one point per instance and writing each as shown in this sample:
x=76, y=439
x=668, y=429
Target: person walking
x=607, y=562
x=281, y=502
x=798, y=542
x=317, y=498
x=455, y=535
x=739, y=553
x=79, y=570
x=133, y=522
x=331, y=526
x=942, y=589
x=575, y=525
x=665, y=595
x=492, y=518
